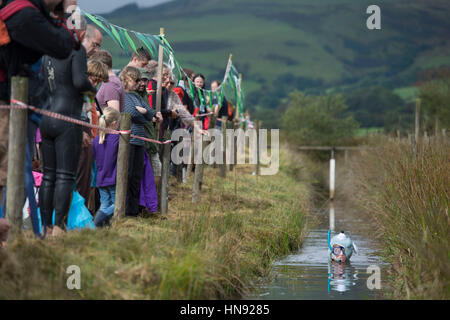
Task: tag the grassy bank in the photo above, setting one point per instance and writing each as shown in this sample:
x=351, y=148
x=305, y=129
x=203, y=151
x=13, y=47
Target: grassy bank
x=215, y=249
x=408, y=198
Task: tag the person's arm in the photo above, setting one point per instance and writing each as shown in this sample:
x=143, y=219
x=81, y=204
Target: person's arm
x=79, y=72
x=130, y=107
x=114, y=104
x=32, y=30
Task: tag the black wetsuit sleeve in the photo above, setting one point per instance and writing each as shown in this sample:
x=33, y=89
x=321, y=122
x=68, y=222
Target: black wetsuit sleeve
x=32, y=30
x=79, y=72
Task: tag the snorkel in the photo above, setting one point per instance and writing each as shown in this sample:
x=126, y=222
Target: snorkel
x=328, y=238
x=338, y=247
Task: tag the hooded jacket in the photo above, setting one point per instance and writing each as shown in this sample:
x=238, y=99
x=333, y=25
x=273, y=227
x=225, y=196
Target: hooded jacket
x=33, y=34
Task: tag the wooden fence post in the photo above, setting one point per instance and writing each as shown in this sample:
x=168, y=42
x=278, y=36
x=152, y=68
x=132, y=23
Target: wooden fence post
x=232, y=160
x=257, y=149
x=159, y=83
x=191, y=156
x=196, y=189
x=223, y=166
x=17, y=140
x=120, y=204
x=213, y=126
x=165, y=174
x=235, y=127
x=417, y=126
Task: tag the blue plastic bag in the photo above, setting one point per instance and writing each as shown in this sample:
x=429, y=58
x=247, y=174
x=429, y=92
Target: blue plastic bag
x=79, y=216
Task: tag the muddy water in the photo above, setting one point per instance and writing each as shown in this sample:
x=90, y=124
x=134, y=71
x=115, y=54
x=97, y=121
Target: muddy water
x=307, y=274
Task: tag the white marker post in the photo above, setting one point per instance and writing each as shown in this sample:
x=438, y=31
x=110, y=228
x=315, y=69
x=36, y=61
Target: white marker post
x=332, y=174
x=332, y=183
x=332, y=216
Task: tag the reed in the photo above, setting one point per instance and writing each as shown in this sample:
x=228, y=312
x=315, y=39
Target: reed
x=408, y=197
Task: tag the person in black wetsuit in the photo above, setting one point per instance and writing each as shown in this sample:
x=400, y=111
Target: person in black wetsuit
x=33, y=33
x=61, y=141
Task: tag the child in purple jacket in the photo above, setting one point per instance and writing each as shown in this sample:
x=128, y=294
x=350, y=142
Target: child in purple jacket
x=104, y=151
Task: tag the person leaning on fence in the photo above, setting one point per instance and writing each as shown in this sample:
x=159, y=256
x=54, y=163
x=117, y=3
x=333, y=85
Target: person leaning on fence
x=61, y=141
x=97, y=73
x=92, y=40
x=111, y=93
x=200, y=100
x=140, y=58
x=183, y=94
x=140, y=113
x=105, y=148
x=151, y=148
x=29, y=34
x=220, y=103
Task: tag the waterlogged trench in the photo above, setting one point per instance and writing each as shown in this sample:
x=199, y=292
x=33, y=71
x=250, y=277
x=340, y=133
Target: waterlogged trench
x=308, y=275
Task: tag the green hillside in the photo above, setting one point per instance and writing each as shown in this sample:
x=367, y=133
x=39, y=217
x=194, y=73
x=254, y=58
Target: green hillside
x=309, y=44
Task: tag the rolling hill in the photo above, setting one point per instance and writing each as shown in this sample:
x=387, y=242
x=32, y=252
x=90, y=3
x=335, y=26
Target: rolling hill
x=315, y=45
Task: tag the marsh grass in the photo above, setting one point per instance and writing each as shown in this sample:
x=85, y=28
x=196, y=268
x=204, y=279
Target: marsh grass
x=408, y=197
x=212, y=250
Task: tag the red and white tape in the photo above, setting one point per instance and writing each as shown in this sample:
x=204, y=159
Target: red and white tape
x=20, y=105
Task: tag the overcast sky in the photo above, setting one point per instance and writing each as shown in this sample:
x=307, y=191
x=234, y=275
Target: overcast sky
x=106, y=6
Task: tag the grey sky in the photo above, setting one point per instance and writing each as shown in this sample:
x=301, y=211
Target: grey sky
x=105, y=6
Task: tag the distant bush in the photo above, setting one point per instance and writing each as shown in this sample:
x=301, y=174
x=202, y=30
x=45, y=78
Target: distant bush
x=317, y=120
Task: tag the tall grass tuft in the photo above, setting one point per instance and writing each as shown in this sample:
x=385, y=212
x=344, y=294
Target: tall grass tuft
x=408, y=197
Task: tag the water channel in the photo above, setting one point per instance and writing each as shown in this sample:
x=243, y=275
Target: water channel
x=307, y=274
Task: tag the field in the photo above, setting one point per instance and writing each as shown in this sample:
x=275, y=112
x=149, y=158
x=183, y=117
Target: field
x=212, y=250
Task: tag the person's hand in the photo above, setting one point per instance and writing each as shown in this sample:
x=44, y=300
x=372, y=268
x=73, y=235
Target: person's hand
x=141, y=110
x=86, y=140
x=175, y=114
x=158, y=117
x=94, y=81
x=204, y=132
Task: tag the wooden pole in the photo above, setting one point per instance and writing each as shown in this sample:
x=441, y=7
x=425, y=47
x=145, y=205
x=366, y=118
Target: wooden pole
x=198, y=172
x=436, y=125
x=202, y=170
x=165, y=175
x=159, y=83
x=122, y=167
x=211, y=127
x=17, y=140
x=257, y=149
x=191, y=157
x=213, y=121
x=235, y=126
x=417, y=120
x=223, y=166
